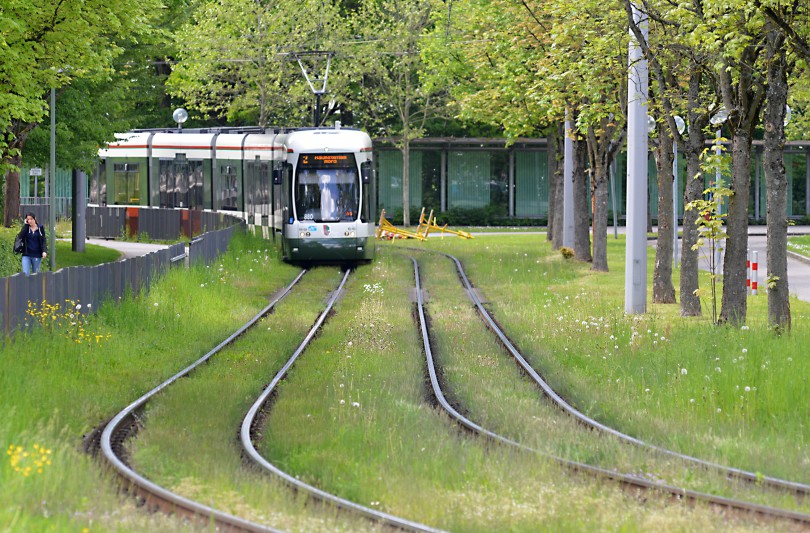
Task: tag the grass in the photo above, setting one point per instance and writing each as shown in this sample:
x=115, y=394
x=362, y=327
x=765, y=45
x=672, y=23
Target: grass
x=54, y=389
x=355, y=416
x=678, y=382
x=800, y=245
x=487, y=384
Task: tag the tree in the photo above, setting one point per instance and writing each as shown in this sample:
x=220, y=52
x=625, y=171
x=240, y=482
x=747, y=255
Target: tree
x=741, y=86
x=237, y=60
x=788, y=28
x=50, y=44
x=663, y=288
x=398, y=92
x=776, y=181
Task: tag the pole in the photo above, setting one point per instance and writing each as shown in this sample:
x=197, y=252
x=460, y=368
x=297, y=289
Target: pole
x=635, y=281
x=51, y=177
x=79, y=210
x=675, y=259
x=568, y=187
x=613, y=196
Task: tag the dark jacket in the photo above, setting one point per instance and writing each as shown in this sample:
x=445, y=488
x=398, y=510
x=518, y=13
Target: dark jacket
x=40, y=233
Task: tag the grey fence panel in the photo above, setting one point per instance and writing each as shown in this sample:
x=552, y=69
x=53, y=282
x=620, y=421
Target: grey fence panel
x=147, y=272
x=21, y=290
x=195, y=250
x=126, y=276
x=62, y=289
x=51, y=286
x=159, y=224
x=92, y=285
x=105, y=222
x=4, y=310
x=83, y=285
x=117, y=282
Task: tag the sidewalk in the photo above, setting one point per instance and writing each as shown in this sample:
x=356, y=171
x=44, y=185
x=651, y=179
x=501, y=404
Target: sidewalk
x=128, y=249
x=798, y=266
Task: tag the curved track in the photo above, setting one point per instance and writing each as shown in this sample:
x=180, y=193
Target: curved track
x=118, y=429
x=630, y=481
x=249, y=422
x=792, y=486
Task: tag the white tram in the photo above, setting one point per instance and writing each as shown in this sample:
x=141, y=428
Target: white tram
x=312, y=186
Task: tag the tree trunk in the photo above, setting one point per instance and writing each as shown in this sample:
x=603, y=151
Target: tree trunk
x=559, y=190
x=663, y=289
x=406, y=185
x=743, y=95
x=582, y=218
x=551, y=142
x=735, y=294
x=600, y=217
x=776, y=184
x=11, y=193
x=693, y=190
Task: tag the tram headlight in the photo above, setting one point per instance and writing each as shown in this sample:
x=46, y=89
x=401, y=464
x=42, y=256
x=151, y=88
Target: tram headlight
x=303, y=234
x=348, y=233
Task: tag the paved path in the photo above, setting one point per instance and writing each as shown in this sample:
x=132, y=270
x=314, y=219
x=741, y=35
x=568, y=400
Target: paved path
x=128, y=249
x=798, y=267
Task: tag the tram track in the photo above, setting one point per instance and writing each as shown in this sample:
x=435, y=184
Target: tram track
x=126, y=423
x=737, y=506
x=251, y=427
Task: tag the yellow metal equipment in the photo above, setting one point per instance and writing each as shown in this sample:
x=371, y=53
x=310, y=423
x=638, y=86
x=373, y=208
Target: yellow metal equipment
x=386, y=230
x=425, y=225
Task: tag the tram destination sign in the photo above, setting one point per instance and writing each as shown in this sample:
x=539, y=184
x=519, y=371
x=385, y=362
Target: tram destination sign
x=326, y=160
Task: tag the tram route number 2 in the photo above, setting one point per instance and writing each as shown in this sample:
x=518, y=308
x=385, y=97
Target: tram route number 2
x=323, y=160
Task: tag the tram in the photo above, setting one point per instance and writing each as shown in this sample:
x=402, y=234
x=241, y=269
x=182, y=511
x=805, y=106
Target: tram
x=313, y=187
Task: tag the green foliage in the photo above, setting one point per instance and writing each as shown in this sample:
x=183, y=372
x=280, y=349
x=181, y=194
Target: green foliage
x=236, y=60
x=50, y=44
x=710, y=212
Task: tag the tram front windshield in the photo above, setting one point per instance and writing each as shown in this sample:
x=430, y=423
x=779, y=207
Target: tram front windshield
x=327, y=188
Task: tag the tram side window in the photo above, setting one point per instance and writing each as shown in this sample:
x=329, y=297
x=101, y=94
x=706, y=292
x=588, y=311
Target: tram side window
x=229, y=188
x=257, y=188
x=195, y=184
x=126, y=177
x=98, y=185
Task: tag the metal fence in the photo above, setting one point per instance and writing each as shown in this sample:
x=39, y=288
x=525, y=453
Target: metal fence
x=110, y=281
x=153, y=223
x=43, y=210
x=81, y=284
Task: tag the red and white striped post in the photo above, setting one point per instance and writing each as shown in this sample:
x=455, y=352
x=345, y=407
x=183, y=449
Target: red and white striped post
x=754, y=273
x=748, y=271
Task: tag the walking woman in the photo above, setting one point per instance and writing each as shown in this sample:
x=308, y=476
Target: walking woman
x=34, y=244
